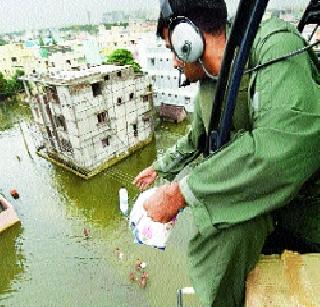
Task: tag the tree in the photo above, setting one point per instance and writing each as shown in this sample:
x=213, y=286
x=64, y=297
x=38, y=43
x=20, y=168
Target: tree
x=18, y=83
x=9, y=88
x=2, y=42
x=123, y=57
x=3, y=86
x=41, y=42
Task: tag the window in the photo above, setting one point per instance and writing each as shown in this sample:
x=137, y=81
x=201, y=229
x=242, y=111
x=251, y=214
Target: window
x=187, y=99
x=49, y=132
x=36, y=111
x=119, y=73
x=66, y=145
x=135, y=130
x=52, y=92
x=102, y=117
x=106, y=77
x=145, y=118
x=61, y=122
x=119, y=100
x=131, y=96
x=149, y=87
x=45, y=99
x=152, y=61
x=105, y=141
x=68, y=62
x=145, y=98
x=13, y=59
x=96, y=89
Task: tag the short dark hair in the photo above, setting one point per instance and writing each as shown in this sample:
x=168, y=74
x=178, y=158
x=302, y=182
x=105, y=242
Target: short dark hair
x=208, y=15
x=209, y=20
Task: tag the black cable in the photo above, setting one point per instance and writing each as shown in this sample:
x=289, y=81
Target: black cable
x=284, y=57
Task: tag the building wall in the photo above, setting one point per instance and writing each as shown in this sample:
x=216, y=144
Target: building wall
x=15, y=57
x=91, y=143
x=156, y=60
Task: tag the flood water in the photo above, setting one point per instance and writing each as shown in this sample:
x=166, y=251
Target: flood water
x=47, y=261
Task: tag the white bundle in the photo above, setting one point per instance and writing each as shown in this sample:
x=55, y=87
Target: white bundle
x=145, y=230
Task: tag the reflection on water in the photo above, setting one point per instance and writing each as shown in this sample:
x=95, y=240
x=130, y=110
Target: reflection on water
x=12, y=259
x=50, y=262
x=11, y=113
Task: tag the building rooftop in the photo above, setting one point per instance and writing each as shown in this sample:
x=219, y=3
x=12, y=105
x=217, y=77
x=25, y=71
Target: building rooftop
x=67, y=76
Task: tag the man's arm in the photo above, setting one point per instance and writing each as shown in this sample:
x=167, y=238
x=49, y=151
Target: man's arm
x=175, y=158
x=263, y=169
x=184, y=151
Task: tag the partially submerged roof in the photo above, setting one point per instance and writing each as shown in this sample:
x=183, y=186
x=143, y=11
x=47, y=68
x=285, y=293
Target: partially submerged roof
x=8, y=216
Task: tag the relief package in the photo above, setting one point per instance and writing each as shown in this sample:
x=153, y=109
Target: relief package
x=145, y=230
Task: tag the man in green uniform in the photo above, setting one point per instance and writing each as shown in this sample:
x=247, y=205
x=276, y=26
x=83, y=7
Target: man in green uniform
x=263, y=185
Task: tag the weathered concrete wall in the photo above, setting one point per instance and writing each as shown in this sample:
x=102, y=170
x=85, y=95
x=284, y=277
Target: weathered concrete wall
x=77, y=133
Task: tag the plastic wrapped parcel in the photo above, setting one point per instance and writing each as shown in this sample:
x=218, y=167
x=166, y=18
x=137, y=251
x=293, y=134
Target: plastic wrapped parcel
x=145, y=230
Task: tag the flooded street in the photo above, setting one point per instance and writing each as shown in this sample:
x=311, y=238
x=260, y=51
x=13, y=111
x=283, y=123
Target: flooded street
x=47, y=261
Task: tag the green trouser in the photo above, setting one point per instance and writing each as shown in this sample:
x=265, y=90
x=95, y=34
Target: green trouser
x=220, y=259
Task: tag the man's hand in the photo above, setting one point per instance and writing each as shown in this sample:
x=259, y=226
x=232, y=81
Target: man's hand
x=145, y=178
x=165, y=203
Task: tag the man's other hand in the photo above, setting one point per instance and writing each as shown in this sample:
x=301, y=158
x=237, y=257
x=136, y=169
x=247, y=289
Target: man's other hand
x=165, y=203
x=145, y=178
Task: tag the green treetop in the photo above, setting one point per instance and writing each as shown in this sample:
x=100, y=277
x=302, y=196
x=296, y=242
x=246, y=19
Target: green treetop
x=123, y=57
x=41, y=42
x=2, y=42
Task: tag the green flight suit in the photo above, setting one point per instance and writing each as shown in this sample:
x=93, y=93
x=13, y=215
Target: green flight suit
x=267, y=167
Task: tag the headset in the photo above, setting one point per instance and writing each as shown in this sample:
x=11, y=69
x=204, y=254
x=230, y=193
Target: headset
x=187, y=41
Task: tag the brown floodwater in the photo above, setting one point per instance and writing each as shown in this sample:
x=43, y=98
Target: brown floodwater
x=47, y=261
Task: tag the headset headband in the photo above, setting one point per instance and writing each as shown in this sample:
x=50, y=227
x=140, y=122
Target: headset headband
x=166, y=9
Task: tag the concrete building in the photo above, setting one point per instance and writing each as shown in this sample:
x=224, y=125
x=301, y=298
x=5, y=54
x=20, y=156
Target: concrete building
x=15, y=57
x=156, y=60
x=59, y=58
x=114, y=17
x=73, y=55
x=125, y=37
x=92, y=118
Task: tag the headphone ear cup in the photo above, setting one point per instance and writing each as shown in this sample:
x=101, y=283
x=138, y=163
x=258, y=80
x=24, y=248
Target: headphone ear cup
x=187, y=42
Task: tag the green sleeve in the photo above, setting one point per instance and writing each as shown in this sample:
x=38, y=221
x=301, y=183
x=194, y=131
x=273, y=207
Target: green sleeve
x=263, y=169
x=184, y=151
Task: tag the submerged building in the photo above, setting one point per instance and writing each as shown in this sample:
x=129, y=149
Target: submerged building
x=90, y=119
